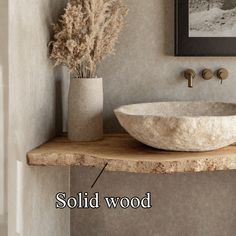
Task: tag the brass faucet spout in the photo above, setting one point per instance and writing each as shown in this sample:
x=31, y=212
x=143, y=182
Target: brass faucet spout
x=190, y=82
x=190, y=75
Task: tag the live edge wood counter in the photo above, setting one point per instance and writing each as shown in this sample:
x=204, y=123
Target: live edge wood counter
x=123, y=153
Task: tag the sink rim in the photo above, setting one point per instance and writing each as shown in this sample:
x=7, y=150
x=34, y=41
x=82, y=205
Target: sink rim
x=119, y=110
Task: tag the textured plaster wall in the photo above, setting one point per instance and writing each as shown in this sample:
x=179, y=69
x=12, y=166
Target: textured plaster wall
x=182, y=204
x=33, y=90
x=144, y=70
x=3, y=113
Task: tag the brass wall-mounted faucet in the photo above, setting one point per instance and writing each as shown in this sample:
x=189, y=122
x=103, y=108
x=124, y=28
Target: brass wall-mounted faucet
x=190, y=75
x=206, y=74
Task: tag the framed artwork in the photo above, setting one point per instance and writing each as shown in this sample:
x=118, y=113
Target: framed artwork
x=205, y=27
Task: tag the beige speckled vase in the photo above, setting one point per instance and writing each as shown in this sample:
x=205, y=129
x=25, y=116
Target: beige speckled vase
x=85, y=120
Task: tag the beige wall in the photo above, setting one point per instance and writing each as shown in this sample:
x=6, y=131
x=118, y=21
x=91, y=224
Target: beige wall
x=182, y=204
x=33, y=91
x=3, y=113
x=143, y=70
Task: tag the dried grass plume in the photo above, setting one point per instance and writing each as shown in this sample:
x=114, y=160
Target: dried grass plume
x=86, y=33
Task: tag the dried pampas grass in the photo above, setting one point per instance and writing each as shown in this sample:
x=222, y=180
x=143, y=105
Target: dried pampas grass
x=86, y=34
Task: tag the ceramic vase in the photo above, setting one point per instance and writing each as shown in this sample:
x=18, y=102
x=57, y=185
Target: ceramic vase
x=85, y=109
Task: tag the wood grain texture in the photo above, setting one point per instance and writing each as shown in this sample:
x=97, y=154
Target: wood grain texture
x=123, y=153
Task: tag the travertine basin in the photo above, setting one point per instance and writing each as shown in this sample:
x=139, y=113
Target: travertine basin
x=181, y=126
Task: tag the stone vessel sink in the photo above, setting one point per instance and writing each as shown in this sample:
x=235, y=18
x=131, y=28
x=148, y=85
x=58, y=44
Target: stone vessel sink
x=180, y=126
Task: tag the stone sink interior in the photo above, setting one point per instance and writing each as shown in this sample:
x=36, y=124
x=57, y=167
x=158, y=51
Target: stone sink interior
x=181, y=126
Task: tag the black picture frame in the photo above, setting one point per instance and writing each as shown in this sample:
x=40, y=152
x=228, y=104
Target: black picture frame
x=198, y=46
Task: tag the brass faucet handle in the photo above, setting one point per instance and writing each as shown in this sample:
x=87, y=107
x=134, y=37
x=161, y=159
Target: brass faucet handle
x=207, y=74
x=222, y=74
x=189, y=74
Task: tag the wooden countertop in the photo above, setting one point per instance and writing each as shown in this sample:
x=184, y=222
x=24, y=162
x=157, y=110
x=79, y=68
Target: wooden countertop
x=123, y=153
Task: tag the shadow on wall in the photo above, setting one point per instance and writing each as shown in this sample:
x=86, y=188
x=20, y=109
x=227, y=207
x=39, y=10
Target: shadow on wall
x=58, y=97
x=59, y=73
x=55, y=10
x=169, y=20
x=61, y=76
